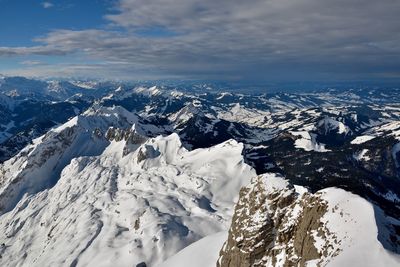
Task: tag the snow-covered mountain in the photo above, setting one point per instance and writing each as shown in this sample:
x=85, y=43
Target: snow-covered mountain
x=93, y=194
x=106, y=173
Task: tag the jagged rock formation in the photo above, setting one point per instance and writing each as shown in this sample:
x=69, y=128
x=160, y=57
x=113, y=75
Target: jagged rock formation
x=128, y=135
x=277, y=224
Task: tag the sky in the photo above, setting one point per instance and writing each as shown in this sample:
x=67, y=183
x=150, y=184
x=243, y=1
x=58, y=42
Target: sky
x=230, y=40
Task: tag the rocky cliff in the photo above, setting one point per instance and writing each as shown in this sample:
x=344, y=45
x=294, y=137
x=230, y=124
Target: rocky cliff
x=278, y=224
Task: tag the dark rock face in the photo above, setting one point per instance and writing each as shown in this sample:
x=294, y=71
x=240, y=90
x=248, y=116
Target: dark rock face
x=129, y=135
x=132, y=138
x=265, y=230
x=147, y=152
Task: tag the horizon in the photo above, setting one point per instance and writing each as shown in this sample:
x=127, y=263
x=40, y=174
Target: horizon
x=226, y=85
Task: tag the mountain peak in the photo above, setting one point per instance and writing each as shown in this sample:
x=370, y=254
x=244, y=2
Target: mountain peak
x=153, y=201
x=189, y=111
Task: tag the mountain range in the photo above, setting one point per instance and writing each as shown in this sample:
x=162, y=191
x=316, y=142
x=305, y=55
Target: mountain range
x=137, y=174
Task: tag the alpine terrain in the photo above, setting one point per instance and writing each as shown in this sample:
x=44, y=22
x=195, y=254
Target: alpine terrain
x=191, y=174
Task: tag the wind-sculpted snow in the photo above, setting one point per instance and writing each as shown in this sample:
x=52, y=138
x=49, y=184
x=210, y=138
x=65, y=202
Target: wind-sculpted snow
x=108, y=207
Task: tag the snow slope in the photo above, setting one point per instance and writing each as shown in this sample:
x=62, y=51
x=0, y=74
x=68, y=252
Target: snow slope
x=329, y=124
x=113, y=201
x=307, y=141
x=202, y=253
x=352, y=220
x=361, y=139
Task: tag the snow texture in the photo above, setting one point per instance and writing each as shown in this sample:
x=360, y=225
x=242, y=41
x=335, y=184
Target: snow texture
x=75, y=198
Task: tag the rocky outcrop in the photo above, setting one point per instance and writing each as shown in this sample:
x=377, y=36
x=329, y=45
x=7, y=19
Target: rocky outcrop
x=273, y=225
x=129, y=135
x=146, y=152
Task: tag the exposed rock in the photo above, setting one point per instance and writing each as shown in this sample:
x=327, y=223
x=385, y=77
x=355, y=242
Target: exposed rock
x=277, y=224
x=129, y=135
x=273, y=225
x=147, y=152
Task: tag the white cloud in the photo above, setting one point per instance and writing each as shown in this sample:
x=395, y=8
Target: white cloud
x=32, y=62
x=47, y=4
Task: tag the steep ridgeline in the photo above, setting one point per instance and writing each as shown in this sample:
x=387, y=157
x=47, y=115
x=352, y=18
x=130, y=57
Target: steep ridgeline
x=278, y=224
x=29, y=108
x=96, y=192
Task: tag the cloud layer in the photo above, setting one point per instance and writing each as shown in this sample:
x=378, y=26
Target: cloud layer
x=232, y=39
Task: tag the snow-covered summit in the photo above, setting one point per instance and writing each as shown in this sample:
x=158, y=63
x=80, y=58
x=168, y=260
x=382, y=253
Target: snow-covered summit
x=150, y=91
x=328, y=124
x=97, y=201
x=186, y=113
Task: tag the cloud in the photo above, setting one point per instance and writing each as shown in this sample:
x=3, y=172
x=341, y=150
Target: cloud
x=45, y=50
x=110, y=70
x=258, y=39
x=32, y=62
x=47, y=4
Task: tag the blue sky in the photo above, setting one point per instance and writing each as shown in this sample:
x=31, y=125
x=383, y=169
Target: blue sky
x=255, y=40
x=24, y=20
